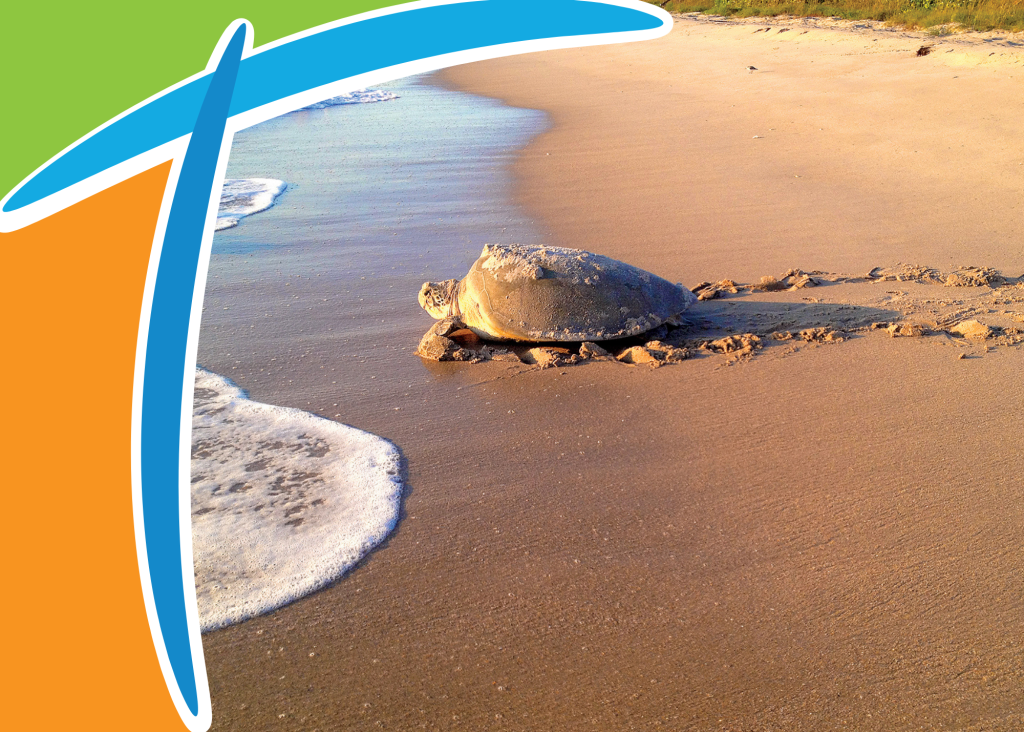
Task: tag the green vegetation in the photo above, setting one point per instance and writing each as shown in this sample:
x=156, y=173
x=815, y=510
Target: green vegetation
x=940, y=15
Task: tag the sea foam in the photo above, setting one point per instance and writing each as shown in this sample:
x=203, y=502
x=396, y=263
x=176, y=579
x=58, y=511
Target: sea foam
x=283, y=501
x=359, y=96
x=243, y=197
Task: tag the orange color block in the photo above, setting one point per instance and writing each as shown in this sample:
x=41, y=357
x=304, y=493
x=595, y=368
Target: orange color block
x=78, y=649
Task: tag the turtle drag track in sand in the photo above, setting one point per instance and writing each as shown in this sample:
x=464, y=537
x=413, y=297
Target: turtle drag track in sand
x=972, y=309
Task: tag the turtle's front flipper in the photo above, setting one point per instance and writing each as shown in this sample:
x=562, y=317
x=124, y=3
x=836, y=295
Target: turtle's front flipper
x=437, y=346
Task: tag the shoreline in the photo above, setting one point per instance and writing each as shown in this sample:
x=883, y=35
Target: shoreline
x=816, y=537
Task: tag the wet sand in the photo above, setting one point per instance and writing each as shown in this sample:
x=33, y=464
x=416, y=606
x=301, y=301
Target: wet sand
x=824, y=536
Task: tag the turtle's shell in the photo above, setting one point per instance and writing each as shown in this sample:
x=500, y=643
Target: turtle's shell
x=534, y=293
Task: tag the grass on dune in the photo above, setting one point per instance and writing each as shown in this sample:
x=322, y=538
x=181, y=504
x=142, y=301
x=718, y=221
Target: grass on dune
x=940, y=15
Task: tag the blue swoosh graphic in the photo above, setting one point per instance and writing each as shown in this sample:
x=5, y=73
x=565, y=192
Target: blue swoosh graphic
x=166, y=353
x=329, y=56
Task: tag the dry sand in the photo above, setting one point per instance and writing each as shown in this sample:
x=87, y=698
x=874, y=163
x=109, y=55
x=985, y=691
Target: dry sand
x=824, y=536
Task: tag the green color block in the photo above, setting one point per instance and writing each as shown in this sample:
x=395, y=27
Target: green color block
x=70, y=67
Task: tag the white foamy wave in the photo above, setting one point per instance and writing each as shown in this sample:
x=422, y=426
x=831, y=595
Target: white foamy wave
x=243, y=197
x=283, y=501
x=359, y=96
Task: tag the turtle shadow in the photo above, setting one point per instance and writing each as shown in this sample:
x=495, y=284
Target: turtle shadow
x=721, y=317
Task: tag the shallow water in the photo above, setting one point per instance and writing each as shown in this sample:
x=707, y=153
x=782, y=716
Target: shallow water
x=313, y=300
x=380, y=198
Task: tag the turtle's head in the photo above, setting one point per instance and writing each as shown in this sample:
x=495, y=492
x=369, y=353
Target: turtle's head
x=440, y=299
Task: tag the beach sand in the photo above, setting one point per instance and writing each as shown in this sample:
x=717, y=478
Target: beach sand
x=824, y=536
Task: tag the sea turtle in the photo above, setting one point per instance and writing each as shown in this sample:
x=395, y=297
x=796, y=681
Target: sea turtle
x=519, y=292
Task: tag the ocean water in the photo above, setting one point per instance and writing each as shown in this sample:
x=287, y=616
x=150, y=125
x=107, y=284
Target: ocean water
x=309, y=298
x=359, y=96
x=243, y=197
x=313, y=300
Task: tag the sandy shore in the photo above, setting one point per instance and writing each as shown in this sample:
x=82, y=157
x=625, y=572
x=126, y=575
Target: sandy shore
x=825, y=536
